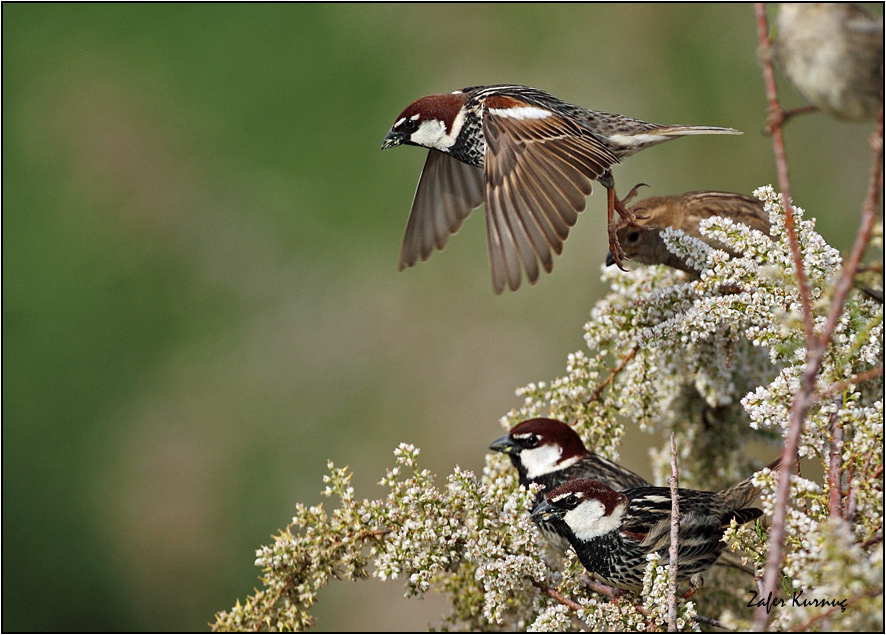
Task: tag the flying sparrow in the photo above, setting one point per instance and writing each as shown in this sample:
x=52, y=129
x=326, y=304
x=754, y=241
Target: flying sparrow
x=684, y=212
x=832, y=54
x=549, y=452
x=527, y=155
x=612, y=532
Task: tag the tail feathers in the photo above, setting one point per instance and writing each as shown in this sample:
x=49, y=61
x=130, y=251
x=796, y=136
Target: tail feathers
x=743, y=493
x=679, y=131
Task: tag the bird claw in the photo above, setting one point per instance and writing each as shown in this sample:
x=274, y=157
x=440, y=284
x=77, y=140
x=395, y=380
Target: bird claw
x=627, y=199
x=615, y=248
x=628, y=218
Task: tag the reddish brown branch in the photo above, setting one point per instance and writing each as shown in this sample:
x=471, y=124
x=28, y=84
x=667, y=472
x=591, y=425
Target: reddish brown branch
x=776, y=120
x=602, y=385
x=555, y=594
x=840, y=386
x=598, y=587
x=862, y=238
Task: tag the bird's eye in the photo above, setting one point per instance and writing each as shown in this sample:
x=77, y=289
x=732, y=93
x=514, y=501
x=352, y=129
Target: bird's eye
x=531, y=442
x=633, y=236
x=571, y=501
x=410, y=125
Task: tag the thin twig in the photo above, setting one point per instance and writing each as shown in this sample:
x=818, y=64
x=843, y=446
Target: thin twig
x=602, y=385
x=840, y=386
x=554, y=593
x=673, y=481
x=835, y=473
x=784, y=185
x=862, y=238
x=598, y=587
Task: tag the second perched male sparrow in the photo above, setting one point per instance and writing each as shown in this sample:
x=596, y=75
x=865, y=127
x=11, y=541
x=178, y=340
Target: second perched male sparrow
x=549, y=452
x=684, y=212
x=832, y=54
x=527, y=155
x=613, y=532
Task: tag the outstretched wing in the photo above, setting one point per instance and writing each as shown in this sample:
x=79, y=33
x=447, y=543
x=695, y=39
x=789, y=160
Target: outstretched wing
x=539, y=166
x=447, y=192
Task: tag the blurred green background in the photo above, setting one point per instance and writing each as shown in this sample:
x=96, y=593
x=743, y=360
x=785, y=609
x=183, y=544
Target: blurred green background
x=200, y=296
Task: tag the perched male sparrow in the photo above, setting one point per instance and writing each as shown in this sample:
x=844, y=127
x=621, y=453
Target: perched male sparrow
x=530, y=157
x=612, y=532
x=832, y=54
x=684, y=212
x=549, y=452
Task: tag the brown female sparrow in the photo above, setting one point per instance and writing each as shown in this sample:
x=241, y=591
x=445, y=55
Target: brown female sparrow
x=684, y=212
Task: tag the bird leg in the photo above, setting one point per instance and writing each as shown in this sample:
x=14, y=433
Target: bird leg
x=614, y=204
x=695, y=584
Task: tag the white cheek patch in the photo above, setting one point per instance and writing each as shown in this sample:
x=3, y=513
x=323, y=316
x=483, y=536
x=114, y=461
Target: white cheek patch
x=589, y=519
x=522, y=112
x=429, y=134
x=540, y=460
x=432, y=133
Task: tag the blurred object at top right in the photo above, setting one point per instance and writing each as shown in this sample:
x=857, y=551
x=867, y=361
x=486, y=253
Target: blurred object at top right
x=832, y=55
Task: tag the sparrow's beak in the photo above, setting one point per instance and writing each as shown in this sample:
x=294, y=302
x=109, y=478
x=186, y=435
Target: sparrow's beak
x=609, y=259
x=393, y=139
x=544, y=511
x=505, y=444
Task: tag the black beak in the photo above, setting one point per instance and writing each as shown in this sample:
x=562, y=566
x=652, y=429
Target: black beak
x=505, y=444
x=609, y=259
x=544, y=511
x=393, y=139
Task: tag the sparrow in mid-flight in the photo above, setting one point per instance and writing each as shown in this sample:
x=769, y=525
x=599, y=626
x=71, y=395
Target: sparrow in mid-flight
x=527, y=155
